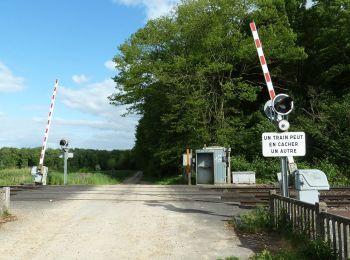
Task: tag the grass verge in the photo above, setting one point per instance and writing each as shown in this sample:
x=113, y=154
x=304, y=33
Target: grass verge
x=89, y=178
x=256, y=231
x=15, y=176
x=10, y=177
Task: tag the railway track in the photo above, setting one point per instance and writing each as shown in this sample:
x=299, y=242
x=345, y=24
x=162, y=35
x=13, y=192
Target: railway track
x=338, y=197
x=17, y=188
x=248, y=196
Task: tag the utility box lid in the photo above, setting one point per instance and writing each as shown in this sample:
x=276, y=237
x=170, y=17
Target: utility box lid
x=311, y=179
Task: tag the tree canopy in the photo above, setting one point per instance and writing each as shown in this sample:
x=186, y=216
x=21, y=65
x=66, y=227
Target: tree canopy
x=195, y=78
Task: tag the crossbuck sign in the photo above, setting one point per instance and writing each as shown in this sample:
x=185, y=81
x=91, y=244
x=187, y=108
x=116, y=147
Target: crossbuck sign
x=283, y=144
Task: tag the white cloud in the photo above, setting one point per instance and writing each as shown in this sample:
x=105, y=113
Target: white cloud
x=92, y=99
x=92, y=134
x=106, y=119
x=100, y=126
x=154, y=8
x=80, y=79
x=20, y=132
x=8, y=81
x=110, y=65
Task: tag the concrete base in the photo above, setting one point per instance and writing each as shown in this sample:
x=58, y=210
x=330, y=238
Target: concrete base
x=243, y=177
x=4, y=200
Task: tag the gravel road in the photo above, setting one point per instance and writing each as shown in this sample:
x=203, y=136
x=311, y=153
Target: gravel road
x=120, y=222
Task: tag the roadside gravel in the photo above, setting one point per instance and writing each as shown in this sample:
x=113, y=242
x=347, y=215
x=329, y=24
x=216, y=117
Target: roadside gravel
x=120, y=222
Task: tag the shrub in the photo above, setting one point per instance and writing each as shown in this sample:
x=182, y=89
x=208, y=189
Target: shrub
x=254, y=221
x=319, y=250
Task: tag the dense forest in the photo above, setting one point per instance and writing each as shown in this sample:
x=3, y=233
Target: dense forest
x=194, y=78
x=83, y=160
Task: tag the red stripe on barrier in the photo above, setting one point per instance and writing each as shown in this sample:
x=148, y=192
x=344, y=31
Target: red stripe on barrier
x=262, y=60
x=267, y=77
x=272, y=94
x=252, y=26
x=257, y=43
x=48, y=125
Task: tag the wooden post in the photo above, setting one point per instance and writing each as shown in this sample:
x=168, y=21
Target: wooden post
x=320, y=207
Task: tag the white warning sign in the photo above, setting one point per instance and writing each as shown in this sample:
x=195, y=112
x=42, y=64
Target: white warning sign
x=283, y=144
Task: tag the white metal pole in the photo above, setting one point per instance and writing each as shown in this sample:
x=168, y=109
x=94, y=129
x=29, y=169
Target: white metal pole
x=65, y=158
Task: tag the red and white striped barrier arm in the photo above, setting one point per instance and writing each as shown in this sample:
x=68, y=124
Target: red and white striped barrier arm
x=262, y=61
x=46, y=136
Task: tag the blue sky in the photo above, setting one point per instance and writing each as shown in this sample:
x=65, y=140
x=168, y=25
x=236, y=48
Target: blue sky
x=72, y=41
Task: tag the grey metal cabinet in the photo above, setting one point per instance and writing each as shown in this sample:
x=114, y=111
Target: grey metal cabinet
x=211, y=165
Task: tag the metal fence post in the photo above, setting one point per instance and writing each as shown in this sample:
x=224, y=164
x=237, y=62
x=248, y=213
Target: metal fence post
x=320, y=207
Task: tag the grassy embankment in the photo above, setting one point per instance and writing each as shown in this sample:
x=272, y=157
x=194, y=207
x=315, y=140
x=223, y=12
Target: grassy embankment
x=257, y=229
x=20, y=176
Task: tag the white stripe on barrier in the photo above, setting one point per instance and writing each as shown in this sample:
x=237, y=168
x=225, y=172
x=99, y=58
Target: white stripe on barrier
x=46, y=136
x=262, y=60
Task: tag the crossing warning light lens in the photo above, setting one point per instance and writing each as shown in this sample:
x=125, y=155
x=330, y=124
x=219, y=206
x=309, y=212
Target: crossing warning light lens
x=283, y=104
x=63, y=142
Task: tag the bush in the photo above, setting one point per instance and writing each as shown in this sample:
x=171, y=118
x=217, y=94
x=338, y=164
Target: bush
x=263, y=255
x=265, y=168
x=296, y=246
x=319, y=250
x=254, y=221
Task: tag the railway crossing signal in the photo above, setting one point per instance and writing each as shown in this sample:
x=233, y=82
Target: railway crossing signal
x=40, y=173
x=66, y=155
x=286, y=144
x=277, y=108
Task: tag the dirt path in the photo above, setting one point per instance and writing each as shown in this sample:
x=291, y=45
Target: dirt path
x=119, y=222
x=135, y=179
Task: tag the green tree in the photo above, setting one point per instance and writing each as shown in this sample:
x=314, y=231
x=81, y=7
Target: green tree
x=195, y=79
x=324, y=96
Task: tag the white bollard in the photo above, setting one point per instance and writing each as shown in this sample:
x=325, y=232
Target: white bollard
x=4, y=200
